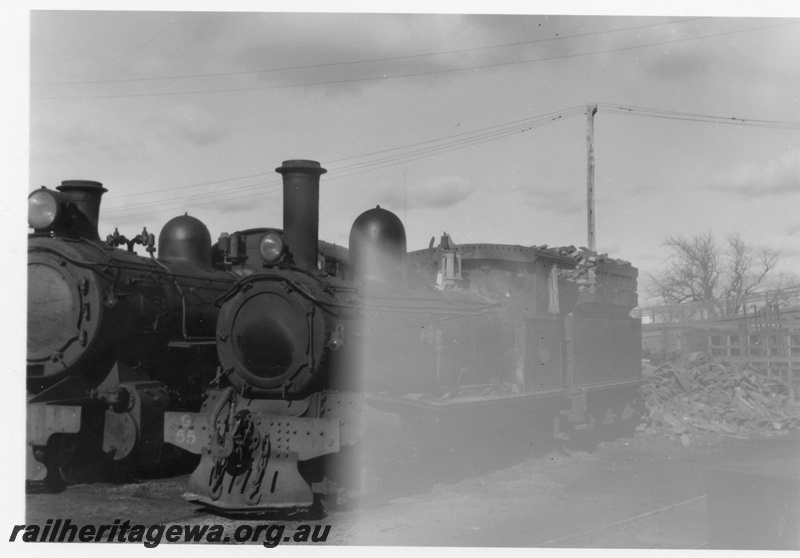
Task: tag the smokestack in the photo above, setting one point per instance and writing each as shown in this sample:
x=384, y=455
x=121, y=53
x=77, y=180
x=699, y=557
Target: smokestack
x=85, y=194
x=301, y=210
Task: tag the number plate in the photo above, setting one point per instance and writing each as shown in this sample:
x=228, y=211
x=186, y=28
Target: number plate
x=189, y=431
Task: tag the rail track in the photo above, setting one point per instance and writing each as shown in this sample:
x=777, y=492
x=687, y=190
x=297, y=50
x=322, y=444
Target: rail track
x=588, y=534
x=633, y=493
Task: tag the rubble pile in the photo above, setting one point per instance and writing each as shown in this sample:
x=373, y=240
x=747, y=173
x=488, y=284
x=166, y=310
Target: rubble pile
x=586, y=261
x=685, y=400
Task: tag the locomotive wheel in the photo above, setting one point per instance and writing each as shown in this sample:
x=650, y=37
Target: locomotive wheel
x=69, y=464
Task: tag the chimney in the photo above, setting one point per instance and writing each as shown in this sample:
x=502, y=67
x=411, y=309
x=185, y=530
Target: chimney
x=301, y=210
x=85, y=194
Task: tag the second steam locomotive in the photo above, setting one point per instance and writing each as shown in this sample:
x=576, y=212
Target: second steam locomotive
x=114, y=339
x=333, y=360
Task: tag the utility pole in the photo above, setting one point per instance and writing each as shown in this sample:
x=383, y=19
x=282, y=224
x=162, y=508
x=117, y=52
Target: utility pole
x=591, y=110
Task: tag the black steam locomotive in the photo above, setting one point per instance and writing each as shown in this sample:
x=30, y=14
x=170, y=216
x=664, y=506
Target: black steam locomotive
x=114, y=339
x=334, y=359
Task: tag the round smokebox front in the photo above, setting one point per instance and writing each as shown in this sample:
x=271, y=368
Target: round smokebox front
x=272, y=338
x=70, y=330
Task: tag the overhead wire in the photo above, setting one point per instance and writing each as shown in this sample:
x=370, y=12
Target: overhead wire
x=694, y=117
x=506, y=127
x=413, y=74
x=389, y=157
x=186, y=186
x=369, y=60
x=381, y=159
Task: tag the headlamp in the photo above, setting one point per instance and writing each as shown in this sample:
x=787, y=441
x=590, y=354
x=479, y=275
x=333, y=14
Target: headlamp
x=44, y=208
x=271, y=247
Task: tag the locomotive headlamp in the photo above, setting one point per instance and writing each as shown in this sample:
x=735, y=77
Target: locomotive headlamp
x=271, y=247
x=44, y=207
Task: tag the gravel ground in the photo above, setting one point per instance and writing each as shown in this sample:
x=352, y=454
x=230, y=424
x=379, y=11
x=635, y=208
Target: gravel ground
x=640, y=492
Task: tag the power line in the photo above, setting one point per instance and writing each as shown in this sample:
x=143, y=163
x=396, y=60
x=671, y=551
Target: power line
x=447, y=144
x=513, y=126
x=457, y=140
x=196, y=185
x=367, y=60
x=693, y=117
x=410, y=75
x=388, y=162
x=381, y=159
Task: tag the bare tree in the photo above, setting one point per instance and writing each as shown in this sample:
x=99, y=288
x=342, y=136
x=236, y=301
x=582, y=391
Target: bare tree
x=693, y=272
x=783, y=280
x=747, y=267
x=719, y=279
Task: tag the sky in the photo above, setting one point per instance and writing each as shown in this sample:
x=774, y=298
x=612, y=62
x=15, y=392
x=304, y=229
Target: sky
x=471, y=124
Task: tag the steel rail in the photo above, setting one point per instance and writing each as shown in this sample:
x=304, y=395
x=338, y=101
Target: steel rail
x=623, y=521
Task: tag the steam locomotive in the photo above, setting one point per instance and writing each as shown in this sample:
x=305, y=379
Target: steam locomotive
x=334, y=359
x=114, y=339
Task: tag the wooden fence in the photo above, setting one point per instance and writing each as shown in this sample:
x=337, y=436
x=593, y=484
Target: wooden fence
x=772, y=348
x=766, y=336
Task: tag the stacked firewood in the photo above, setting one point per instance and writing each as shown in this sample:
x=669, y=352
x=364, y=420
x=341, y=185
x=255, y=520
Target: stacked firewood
x=586, y=261
x=686, y=399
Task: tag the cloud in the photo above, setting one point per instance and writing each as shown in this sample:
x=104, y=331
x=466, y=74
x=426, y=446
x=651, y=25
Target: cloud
x=748, y=180
x=376, y=44
x=194, y=126
x=435, y=193
x=555, y=200
x=82, y=140
x=78, y=142
x=260, y=205
x=677, y=61
x=788, y=245
x=354, y=51
x=675, y=65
